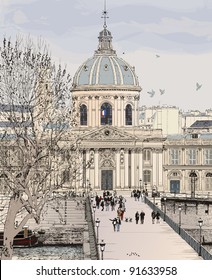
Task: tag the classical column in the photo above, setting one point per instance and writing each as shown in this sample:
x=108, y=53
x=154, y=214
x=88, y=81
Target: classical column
x=140, y=165
x=118, y=185
x=115, y=112
x=160, y=168
x=122, y=110
x=119, y=112
x=154, y=168
x=96, y=168
x=90, y=111
x=133, y=169
x=126, y=168
x=87, y=168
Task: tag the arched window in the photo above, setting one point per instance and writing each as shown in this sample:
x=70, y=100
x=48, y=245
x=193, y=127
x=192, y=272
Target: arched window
x=208, y=181
x=128, y=115
x=106, y=114
x=83, y=115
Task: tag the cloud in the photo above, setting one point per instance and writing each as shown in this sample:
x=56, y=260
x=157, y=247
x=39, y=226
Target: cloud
x=19, y=17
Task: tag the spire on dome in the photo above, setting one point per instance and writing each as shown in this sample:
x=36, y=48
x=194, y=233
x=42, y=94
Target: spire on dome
x=104, y=13
x=105, y=37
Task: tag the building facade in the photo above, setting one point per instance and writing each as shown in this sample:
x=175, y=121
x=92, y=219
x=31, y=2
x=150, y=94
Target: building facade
x=123, y=155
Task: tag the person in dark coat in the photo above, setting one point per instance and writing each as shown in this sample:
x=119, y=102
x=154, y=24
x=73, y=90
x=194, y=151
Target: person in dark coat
x=158, y=217
x=142, y=214
x=153, y=215
x=136, y=217
x=114, y=222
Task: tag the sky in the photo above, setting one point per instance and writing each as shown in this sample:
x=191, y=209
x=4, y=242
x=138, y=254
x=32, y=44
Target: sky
x=168, y=42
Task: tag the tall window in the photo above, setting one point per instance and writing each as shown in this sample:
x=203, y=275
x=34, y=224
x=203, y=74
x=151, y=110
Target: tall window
x=66, y=176
x=147, y=155
x=128, y=115
x=106, y=114
x=147, y=176
x=175, y=156
x=83, y=115
x=192, y=156
x=208, y=156
x=208, y=181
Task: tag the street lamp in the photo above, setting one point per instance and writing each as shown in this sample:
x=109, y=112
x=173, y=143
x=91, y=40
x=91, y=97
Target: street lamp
x=140, y=183
x=193, y=177
x=97, y=230
x=164, y=209
x=94, y=210
x=180, y=209
x=200, y=221
x=102, y=248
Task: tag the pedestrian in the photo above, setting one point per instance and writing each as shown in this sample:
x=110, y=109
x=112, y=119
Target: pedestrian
x=153, y=216
x=158, y=217
x=136, y=217
x=102, y=204
x=142, y=214
x=118, y=223
x=114, y=222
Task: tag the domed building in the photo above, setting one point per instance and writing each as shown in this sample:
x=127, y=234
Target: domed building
x=106, y=93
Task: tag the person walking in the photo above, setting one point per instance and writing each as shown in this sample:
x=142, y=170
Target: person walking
x=158, y=217
x=142, y=214
x=118, y=223
x=136, y=217
x=114, y=222
x=153, y=215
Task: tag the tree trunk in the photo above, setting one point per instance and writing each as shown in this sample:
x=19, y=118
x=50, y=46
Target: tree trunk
x=9, y=228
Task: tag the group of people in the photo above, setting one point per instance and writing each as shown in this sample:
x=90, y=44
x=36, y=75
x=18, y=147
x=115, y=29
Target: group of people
x=139, y=216
x=155, y=215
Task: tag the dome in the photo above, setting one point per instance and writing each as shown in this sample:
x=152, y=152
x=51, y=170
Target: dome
x=105, y=69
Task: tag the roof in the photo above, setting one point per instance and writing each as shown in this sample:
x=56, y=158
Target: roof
x=202, y=124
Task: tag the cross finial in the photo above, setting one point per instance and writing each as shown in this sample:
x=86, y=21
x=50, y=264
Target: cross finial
x=104, y=13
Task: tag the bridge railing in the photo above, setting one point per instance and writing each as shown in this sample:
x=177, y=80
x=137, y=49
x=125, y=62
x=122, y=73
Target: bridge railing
x=187, y=237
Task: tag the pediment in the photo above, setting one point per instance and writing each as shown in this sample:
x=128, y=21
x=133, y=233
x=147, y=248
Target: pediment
x=108, y=133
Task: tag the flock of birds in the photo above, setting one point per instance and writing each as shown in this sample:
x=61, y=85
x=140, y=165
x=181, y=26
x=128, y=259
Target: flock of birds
x=162, y=91
x=133, y=254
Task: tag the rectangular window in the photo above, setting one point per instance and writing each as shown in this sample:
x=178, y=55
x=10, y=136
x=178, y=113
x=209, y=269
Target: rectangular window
x=146, y=154
x=192, y=156
x=208, y=156
x=147, y=176
x=175, y=156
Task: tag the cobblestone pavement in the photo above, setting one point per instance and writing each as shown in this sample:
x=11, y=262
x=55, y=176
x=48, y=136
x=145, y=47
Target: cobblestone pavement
x=141, y=241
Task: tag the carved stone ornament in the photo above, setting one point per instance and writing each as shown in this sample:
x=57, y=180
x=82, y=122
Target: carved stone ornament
x=107, y=163
x=106, y=133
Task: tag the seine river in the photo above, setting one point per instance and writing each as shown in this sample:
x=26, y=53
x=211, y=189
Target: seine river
x=49, y=253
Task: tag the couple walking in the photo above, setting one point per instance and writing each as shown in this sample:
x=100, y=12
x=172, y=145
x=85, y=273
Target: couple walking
x=139, y=216
x=116, y=223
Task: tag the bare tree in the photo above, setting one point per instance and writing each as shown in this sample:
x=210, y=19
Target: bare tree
x=35, y=118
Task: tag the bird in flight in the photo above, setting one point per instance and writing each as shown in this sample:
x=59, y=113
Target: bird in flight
x=157, y=55
x=162, y=91
x=198, y=86
x=151, y=93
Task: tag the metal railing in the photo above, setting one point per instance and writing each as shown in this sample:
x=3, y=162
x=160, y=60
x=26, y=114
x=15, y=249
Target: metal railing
x=184, y=235
x=91, y=228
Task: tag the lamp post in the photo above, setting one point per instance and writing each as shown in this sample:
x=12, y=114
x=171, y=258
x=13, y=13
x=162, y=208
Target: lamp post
x=200, y=221
x=102, y=248
x=140, y=184
x=193, y=177
x=94, y=211
x=97, y=230
x=180, y=209
x=164, y=209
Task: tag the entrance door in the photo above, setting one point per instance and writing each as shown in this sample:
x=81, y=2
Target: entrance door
x=107, y=180
x=175, y=186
